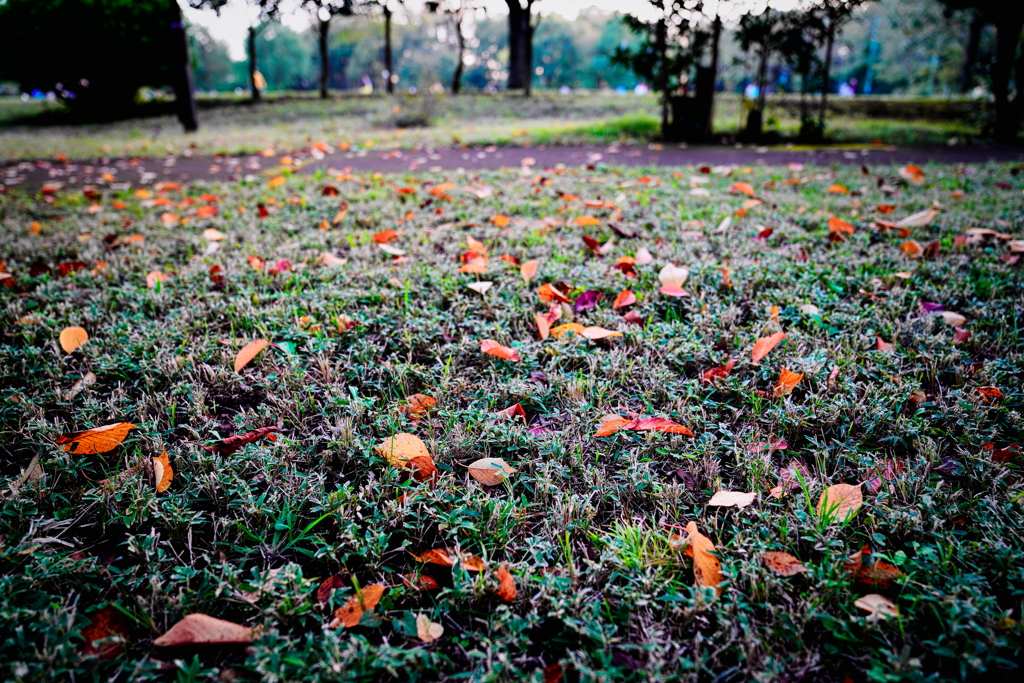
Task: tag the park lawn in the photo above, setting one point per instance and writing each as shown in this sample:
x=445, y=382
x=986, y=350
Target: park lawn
x=592, y=530
x=231, y=125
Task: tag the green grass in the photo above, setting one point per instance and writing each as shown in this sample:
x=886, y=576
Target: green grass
x=35, y=130
x=584, y=525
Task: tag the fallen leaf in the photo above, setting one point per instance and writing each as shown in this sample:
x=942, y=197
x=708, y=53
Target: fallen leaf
x=98, y=440
x=880, y=607
x=493, y=348
x=672, y=278
x=490, y=471
x=782, y=564
x=421, y=582
x=729, y=499
x=990, y=394
x=837, y=226
x=200, y=629
x=87, y=381
x=551, y=293
x=213, y=235
x=707, y=570
x=624, y=298
x=529, y=270
x=787, y=382
x=765, y=344
x=867, y=569
x=919, y=219
x=388, y=249
x=546, y=320
x=248, y=352
x=206, y=212
x=427, y=630
x=385, y=236
x=953, y=319
x=109, y=625
x=596, y=333
x=418, y=405
x=401, y=448
x=586, y=221
x=912, y=249
x=506, y=584
x=155, y=278
x=447, y=557
x=72, y=337
x=721, y=372
x=839, y=502
x=743, y=188
x=231, y=444
x=349, y=614
x=162, y=472
x=480, y=287
x=276, y=181
x=500, y=220
x=838, y=189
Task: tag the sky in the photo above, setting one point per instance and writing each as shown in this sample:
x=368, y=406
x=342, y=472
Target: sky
x=233, y=22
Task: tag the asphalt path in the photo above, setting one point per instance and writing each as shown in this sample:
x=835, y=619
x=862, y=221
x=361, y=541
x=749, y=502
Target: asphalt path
x=33, y=176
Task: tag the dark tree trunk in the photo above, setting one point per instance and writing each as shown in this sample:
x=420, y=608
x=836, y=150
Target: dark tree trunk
x=527, y=50
x=1007, y=123
x=184, y=86
x=516, y=77
x=460, y=41
x=971, y=51
x=826, y=74
x=252, y=64
x=388, y=57
x=716, y=33
x=662, y=84
x=755, y=119
x=325, y=62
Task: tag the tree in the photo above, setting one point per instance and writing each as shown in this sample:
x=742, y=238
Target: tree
x=520, y=44
x=797, y=49
x=387, y=8
x=765, y=33
x=668, y=47
x=829, y=16
x=324, y=11
x=1008, y=18
x=95, y=56
x=261, y=12
x=457, y=10
x=212, y=67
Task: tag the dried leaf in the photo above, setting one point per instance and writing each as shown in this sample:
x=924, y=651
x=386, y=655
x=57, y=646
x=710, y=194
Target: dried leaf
x=552, y=293
x=162, y=472
x=529, y=270
x=500, y=220
x=507, y=585
x=200, y=629
x=493, y=348
x=72, y=337
x=98, y=440
x=729, y=499
x=837, y=226
x=87, y=381
x=707, y=570
x=330, y=584
x=625, y=298
x=912, y=249
x=919, y=219
x=248, y=352
x=787, y=382
x=155, y=278
x=349, y=614
x=721, y=372
x=953, y=319
x=743, y=188
x=401, y=448
x=672, y=278
x=839, y=502
x=765, y=344
x=107, y=624
x=231, y=444
x=566, y=329
x=880, y=607
x=428, y=631
x=595, y=333
x=783, y=564
x=490, y=471
x=418, y=405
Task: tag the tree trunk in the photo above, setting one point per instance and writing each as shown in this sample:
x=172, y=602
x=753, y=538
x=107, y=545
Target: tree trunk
x=826, y=73
x=388, y=57
x=716, y=33
x=325, y=63
x=515, y=44
x=662, y=83
x=971, y=51
x=252, y=64
x=460, y=41
x=527, y=49
x=184, y=86
x=755, y=120
x=1007, y=123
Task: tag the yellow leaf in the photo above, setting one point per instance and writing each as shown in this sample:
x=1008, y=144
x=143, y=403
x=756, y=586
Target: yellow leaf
x=401, y=448
x=162, y=472
x=248, y=352
x=72, y=337
x=839, y=502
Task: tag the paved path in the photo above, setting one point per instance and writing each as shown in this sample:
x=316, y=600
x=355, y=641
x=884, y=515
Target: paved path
x=33, y=175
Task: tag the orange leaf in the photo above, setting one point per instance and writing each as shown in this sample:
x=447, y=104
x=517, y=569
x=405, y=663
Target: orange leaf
x=507, y=585
x=990, y=393
x=743, y=188
x=162, y=472
x=837, y=226
x=500, y=220
x=248, y=352
x=838, y=189
x=206, y=211
x=155, y=278
x=349, y=614
x=423, y=468
x=529, y=270
x=840, y=501
x=276, y=181
x=442, y=556
x=625, y=298
x=912, y=249
x=200, y=629
x=707, y=570
x=660, y=424
x=567, y=328
x=721, y=372
x=493, y=348
x=609, y=427
x=594, y=332
x=783, y=564
x=233, y=443
x=72, y=337
x=787, y=382
x=104, y=624
x=98, y=440
x=584, y=221
x=385, y=236
x=765, y=344
x=419, y=405
x=549, y=293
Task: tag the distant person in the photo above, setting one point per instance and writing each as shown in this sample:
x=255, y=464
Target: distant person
x=642, y=89
x=259, y=81
x=847, y=90
x=366, y=85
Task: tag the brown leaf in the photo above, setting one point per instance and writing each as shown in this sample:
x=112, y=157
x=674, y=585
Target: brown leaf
x=428, y=631
x=554, y=293
x=349, y=614
x=233, y=443
x=743, y=188
x=200, y=629
x=421, y=582
x=490, y=471
x=872, y=571
x=990, y=394
x=721, y=372
x=839, y=502
x=401, y=448
x=732, y=499
x=596, y=333
x=529, y=270
x=787, y=382
x=553, y=673
x=447, y=557
x=782, y=564
x=423, y=468
x=72, y=337
x=912, y=249
x=248, y=352
x=879, y=606
x=707, y=570
x=162, y=472
x=919, y=219
x=98, y=440
x=87, y=381
x=331, y=583
x=107, y=624
x=418, y=406
x=765, y=344
x=507, y=585
x=155, y=278
x=837, y=226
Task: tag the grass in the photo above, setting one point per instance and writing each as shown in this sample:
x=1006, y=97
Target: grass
x=585, y=523
x=35, y=130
